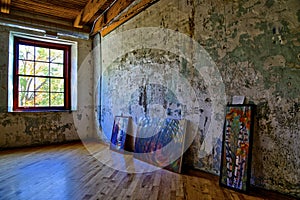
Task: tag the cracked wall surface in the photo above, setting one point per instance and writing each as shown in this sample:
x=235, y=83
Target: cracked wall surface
x=256, y=47
x=26, y=129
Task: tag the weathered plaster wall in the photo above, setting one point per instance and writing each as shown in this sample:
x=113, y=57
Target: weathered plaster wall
x=256, y=47
x=26, y=129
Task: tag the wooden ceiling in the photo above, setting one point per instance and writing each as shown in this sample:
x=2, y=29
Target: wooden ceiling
x=89, y=16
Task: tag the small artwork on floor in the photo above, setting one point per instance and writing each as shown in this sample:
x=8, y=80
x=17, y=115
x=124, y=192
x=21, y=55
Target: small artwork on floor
x=236, y=148
x=160, y=142
x=119, y=133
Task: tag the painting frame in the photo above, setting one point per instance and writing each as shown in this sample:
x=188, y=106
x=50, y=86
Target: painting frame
x=235, y=169
x=160, y=141
x=119, y=136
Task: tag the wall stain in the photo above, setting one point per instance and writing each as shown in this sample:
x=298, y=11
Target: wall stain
x=192, y=21
x=255, y=45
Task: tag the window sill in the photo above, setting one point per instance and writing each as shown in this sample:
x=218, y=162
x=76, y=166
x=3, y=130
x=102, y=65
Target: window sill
x=40, y=111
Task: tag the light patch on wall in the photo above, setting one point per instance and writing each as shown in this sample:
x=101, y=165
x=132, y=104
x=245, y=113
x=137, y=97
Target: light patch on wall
x=174, y=42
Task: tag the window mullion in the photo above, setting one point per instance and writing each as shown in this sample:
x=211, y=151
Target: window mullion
x=48, y=81
x=49, y=94
x=34, y=85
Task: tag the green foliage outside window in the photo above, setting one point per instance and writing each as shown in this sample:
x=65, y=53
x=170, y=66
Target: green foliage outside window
x=41, y=76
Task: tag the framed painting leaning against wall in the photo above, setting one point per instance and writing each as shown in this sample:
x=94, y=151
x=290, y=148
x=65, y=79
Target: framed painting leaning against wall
x=119, y=133
x=236, y=148
x=160, y=142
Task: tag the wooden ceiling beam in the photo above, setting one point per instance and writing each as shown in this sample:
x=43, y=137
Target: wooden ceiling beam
x=43, y=24
x=5, y=5
x=112, y=13
x=116, y=15
x=86, y=14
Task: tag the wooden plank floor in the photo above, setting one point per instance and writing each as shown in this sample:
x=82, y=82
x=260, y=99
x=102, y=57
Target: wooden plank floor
x=69, y=171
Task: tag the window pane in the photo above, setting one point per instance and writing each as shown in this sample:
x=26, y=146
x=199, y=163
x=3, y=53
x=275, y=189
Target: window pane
x=56, y=70
x=42, y=84
x=26, y=67
x=42, y=69
x=41, y=73
x=57, y=99
x=26, y=99
x=26, y=52
x=41, y=54
x=57, y=85
x=57, y=56
x=26, y=83
x=41, y=99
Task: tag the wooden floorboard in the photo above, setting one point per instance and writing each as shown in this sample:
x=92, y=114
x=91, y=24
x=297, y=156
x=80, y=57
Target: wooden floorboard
x=70, y=171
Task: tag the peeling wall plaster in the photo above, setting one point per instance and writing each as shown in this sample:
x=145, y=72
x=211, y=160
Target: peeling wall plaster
x=26, y=129
x=255, y=45
x=143, y=89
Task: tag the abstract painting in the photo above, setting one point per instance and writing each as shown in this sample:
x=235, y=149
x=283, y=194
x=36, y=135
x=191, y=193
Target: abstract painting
x=236, y=147
x=119, y=133
x=160, y=142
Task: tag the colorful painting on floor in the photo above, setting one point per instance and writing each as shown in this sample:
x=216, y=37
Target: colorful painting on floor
x=236, y=148
x=161, y=142
x=119, y=133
